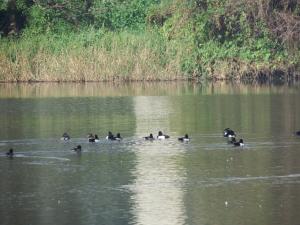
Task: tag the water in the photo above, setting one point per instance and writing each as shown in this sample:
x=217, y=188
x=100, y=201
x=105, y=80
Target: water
x=205, y=182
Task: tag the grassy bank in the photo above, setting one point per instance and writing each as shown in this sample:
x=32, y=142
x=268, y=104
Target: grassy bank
x=92, y=55
x=173, y=40
x=95, y=55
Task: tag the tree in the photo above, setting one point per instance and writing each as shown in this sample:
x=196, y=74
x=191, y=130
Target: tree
x=13, y=16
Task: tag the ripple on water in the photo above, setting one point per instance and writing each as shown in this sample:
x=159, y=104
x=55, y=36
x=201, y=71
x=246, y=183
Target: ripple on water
x=216, y=182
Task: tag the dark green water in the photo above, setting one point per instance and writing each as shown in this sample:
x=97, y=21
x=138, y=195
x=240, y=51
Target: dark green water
x=203, y=182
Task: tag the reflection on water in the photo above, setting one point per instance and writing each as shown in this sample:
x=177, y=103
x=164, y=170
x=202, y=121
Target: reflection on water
x=158, y=197
x=206, y=181
x=59, y=90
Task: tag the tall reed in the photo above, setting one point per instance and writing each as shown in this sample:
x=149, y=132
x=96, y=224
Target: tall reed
x=97, y=55
x=93, y=55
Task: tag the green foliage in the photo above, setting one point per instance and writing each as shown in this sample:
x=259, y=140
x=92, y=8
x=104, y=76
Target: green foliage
x=219, y=37
x=193, y=35
x=58, y=18
x=20, y=5
x=117, y=14
x=158, y=14
x=38, y=21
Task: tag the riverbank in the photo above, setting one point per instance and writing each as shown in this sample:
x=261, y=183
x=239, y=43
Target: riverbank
x=173, y=40
x=107, y=56
x=89, y=56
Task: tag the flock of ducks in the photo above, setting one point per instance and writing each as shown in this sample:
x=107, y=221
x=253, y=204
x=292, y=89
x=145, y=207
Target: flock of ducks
x=111, y=137
x=228, y=133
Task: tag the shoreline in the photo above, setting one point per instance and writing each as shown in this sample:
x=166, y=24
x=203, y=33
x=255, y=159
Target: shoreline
x=96, y=89
x=260, y=78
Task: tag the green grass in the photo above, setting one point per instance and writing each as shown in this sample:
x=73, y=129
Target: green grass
x=179, y=39
x=92, y=55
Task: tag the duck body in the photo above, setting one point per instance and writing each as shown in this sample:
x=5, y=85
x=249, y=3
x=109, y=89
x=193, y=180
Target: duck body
x=185, y=138
x=10, y=153
x=232, y=141
x=239, y=143
x=228, y=133
x=149, y=138
x=77, y=149
x=110, y=136
x=298, y=132
x=118, y=137
x=94, y=139
x=90, y=135
x=162, y=136
x=65, y=137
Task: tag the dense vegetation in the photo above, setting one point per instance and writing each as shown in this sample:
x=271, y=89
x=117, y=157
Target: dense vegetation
x=82, y=40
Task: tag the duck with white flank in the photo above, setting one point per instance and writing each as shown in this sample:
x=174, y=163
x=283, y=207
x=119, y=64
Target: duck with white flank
x=149, y=138
x=229, y=133
x=65, y=137
x=94, y=139
x=239, y=143
x=110, y=136
x=162, y=136
x=118, y=137
x=10, y=153
x=185, y=138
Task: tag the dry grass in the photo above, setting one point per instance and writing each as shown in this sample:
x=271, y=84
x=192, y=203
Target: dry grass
x=102, y=65
x=115, y=57
x=127, y=58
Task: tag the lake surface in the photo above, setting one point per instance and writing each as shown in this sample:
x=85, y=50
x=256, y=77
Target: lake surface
x=204, y=182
